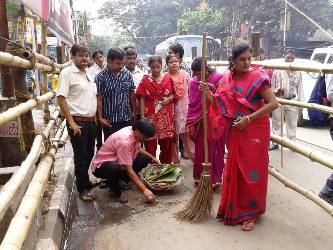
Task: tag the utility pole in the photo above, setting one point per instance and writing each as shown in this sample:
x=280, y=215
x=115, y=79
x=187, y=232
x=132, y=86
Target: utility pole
x=285, y=25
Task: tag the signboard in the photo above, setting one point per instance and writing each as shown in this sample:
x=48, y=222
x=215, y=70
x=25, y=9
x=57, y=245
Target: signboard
x=39, y=7
x=10, y=129
x=60, y=19
x=57, y=14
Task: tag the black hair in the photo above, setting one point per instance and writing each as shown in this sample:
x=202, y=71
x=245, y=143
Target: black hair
x=177, y=49
x=289, y=51
x=52, y=58
x=196, y=65
x=94, y=55
x=130, y=51
x=145, y=126
x=115, y=53
x=154, y=59
x=237, y=50
x=168, y=57
x=78, y=48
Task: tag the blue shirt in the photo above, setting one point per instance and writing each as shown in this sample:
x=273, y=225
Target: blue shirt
x=115, y=90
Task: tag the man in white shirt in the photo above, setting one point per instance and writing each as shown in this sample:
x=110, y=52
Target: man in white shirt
x=77, y=99
x=288, y=85
x=130, y=64
x=98, y=65
x=94, y=70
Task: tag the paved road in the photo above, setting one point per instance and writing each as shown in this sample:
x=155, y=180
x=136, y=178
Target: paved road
x=291, y=221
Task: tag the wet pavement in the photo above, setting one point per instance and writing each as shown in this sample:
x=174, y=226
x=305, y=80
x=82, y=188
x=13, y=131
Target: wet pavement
x=291, y=221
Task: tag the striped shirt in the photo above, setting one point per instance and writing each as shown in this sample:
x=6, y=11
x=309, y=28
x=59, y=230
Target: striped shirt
x=115, y=90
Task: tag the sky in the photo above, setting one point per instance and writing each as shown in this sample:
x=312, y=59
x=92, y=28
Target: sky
x=98, y=27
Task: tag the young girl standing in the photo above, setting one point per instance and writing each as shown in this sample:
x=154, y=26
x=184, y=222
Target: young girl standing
x=180, y=87
x=156, y=102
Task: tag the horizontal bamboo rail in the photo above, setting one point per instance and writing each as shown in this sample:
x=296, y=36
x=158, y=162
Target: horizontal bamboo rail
x=315, y=106
x=15, y=61
x=14, y=185
x=312, y=154
x=21, y=223
x=294, y=66
x=13, y=113
x=306, y=193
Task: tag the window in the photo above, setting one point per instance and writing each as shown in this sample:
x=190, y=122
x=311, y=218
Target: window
x=320, y=57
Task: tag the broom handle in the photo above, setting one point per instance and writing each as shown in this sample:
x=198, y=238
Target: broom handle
x=204, y=110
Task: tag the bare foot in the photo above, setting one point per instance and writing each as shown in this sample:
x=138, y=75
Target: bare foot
x=248, y=225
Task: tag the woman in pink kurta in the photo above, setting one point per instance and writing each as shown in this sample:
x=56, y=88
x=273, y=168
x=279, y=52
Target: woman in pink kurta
x=180, y=87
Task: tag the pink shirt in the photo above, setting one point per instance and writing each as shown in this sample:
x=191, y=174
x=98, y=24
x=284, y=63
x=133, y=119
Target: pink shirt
x=121, y=148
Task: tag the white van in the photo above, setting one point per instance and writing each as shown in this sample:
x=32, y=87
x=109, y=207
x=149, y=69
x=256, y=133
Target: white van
x=323, y=55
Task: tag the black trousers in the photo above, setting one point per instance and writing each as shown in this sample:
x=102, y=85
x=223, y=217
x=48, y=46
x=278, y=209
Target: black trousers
x=83, y=147
x=114, y=128
x=99, y=137
x=113, y=173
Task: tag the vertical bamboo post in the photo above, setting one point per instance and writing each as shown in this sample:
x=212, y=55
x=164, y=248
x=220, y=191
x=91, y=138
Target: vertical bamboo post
x=282, y=124
x=204, y=109
x=46, y=111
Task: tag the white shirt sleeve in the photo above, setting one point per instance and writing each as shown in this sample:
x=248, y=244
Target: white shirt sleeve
x=275, y=81
x=329, y=87
x=300, y=90
x=63, y=83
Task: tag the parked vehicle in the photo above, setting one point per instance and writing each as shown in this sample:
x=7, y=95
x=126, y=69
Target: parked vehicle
x=192, y=47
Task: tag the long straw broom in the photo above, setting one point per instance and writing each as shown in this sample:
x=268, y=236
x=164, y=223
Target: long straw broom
x=199, y=206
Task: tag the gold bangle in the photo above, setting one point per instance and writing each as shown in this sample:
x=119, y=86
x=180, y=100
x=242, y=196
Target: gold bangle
x=248, y=119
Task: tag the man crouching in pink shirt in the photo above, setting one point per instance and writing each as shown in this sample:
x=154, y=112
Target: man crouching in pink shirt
x=122, y=158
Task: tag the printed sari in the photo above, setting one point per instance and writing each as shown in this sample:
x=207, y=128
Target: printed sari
x=194, y=126
x=163, y=118
x=245, y=175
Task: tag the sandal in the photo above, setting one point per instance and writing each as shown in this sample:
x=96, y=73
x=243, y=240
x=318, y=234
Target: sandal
x=87, y=196
x=248, y=225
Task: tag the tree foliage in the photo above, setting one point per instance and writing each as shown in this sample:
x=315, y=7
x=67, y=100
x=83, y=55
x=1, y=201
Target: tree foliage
x=149, y=22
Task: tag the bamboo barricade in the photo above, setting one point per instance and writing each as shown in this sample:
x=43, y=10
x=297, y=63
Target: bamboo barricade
x=315, y=106
x=15, y=61
x=14, y=185
x=20, y=224
x=307, y=193
x=293, y=66
x=15, y=112
x=312, y=154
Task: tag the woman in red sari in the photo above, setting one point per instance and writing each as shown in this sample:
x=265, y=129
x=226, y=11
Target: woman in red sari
x=156, y=102
x=242, y=104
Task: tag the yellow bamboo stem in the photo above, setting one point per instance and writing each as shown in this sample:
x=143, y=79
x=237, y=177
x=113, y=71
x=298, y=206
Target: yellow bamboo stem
x=299, y=189
x=315, y=106
x=312, y=154
x=282, y=124
x=15, y=112
x=11, y=189
x=294, y=66
x=21, y=223
x=15, y=61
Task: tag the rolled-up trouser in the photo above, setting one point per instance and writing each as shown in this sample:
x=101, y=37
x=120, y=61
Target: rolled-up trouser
x=113, y=173
x=328, y=188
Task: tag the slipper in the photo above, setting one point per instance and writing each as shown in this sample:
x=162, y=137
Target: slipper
x=87, y=196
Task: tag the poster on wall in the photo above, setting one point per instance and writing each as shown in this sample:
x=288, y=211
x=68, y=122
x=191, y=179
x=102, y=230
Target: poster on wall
x=39, y=7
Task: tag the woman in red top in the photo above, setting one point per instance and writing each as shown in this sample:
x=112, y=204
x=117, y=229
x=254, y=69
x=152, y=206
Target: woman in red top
x=156, y=102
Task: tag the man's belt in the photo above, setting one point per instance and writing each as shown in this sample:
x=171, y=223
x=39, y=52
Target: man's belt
x=84, y=119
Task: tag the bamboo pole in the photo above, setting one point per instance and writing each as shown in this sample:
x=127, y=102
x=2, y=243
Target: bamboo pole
x=282, y=124
x=21, y=223
x=12, y=113
x=312, y=154
x=46, y=111
x=315, y=106
x=293, y=66
x=14, y=185
x=15, y=61
x=306, y=193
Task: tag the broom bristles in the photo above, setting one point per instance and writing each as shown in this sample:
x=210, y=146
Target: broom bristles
x=198, y=208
